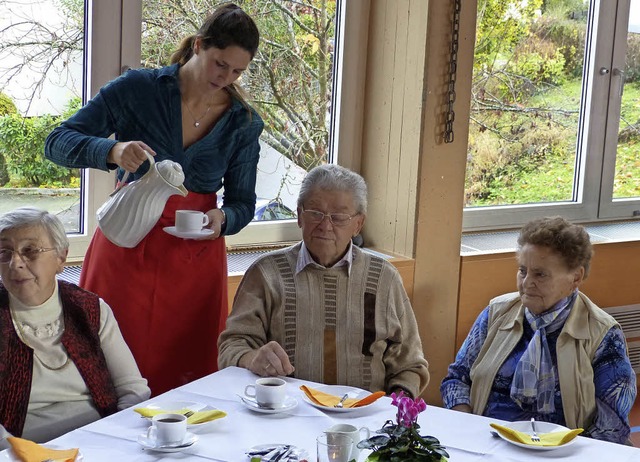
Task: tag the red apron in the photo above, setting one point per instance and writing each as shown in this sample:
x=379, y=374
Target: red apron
x=169, y=296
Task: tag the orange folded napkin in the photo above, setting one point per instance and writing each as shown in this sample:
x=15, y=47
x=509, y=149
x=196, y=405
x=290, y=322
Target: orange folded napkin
x=546, y=439
x=28, y=451
x=328, y=400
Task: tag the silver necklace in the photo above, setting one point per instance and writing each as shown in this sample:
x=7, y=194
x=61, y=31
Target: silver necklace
x=22, y=336
x=196, y=122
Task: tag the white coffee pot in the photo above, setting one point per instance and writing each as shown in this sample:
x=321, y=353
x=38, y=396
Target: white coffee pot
x=134, y=208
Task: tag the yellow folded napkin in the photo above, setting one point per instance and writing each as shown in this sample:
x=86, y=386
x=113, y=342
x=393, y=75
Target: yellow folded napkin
x=546, y=439
x=197, y=417
x=328, y=400
x=28, y=451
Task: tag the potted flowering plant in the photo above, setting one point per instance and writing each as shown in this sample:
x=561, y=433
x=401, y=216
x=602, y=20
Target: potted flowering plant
x=400, y=441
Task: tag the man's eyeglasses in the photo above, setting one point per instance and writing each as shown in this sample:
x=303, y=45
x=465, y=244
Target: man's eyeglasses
x=27, y=254
x=336, y=219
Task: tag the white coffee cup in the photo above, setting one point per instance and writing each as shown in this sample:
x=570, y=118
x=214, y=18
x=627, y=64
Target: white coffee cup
x=189, y=221
x=167, y=429
x=352, y=432
x=269, y=391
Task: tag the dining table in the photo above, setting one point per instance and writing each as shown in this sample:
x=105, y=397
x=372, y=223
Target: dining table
x=466, y=437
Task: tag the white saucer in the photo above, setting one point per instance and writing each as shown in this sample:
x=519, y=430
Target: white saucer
x=189, y=440
x=542, y=427
x=340, y=390
x=204, y=232
x=289, y=403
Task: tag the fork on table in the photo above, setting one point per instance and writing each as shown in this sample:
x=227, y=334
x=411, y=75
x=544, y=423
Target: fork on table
x=534, y=435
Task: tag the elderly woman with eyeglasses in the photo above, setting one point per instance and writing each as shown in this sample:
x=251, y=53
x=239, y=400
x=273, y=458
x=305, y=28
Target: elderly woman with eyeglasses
x=63, y=361
x=547, y=352
x=324, y=310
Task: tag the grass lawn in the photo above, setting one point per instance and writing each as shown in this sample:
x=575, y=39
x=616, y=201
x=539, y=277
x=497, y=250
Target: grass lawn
x=528, y=156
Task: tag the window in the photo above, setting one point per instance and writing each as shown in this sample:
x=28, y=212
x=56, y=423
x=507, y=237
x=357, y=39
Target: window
x=290, y=82
x=45, y=84
x=151, y=29
x=554, y=115
x=40, y=86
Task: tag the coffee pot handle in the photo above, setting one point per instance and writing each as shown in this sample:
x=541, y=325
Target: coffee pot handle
x=123, y=181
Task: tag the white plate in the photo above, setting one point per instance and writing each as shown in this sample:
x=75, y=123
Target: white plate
x=289, y=403
x=175, y=406
x=542, y=427
x=204, y=232
x=189, y=440
x=340, y=390
x=9, y=455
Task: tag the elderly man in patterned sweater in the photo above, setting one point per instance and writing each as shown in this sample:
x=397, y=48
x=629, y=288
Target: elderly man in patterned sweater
x=324, y=310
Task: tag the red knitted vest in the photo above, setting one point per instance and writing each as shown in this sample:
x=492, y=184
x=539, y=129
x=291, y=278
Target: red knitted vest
x=81, y=312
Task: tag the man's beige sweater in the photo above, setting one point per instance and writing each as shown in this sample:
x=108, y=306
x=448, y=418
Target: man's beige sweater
x=354, y=329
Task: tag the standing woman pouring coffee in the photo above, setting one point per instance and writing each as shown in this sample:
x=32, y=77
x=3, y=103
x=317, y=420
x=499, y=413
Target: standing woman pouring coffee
x=168, y=294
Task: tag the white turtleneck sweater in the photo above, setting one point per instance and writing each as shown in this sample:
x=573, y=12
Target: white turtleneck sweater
x=60, y=400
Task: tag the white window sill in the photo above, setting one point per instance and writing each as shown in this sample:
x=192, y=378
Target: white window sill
x=506, y=241
x=237, y=264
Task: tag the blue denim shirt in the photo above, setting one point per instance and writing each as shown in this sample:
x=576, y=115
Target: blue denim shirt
x=144, y=105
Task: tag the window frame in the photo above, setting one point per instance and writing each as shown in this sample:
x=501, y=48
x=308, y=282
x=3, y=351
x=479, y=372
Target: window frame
x=597, y=137
x=102, y=62
x=348, y=109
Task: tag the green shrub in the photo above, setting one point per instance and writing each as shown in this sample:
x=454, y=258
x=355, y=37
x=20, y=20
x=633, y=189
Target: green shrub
x=565, y=35
x=22, y=145
x=7, y=105
x=22, y=142
x=632, y=64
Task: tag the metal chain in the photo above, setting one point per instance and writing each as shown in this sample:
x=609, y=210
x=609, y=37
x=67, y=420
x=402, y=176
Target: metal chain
x=453, y=68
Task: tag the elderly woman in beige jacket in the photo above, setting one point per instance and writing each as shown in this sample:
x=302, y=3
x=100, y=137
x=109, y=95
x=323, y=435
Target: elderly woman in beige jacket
x=547, y=351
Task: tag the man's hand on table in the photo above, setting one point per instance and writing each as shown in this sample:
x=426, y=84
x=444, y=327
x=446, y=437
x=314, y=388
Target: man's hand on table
x=267, y=361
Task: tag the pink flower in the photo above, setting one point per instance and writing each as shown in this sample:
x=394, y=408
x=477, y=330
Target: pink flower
x=408, y=409
x=395, y=397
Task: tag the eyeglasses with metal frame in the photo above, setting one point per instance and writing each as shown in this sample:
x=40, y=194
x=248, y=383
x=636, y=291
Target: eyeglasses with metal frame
x=336, y=219
x=27, y=254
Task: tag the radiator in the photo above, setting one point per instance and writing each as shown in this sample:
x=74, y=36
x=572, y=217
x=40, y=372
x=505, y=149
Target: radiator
x=628, y=316
x=70, y=274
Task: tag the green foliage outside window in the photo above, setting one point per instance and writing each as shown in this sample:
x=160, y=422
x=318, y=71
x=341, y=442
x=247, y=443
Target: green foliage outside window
x=22, y=146
x=527, y=83
x=289, y=81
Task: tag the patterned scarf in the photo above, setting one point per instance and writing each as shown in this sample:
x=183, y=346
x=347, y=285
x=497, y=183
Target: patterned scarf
x=534, y=380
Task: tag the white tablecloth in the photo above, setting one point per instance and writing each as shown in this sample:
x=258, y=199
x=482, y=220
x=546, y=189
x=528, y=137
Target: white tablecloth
x=466, y=437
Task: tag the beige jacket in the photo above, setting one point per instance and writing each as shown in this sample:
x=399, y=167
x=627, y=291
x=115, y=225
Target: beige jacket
x=579, y=339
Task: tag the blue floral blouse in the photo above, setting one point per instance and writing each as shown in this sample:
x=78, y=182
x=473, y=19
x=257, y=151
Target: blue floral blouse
x=615, y=382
